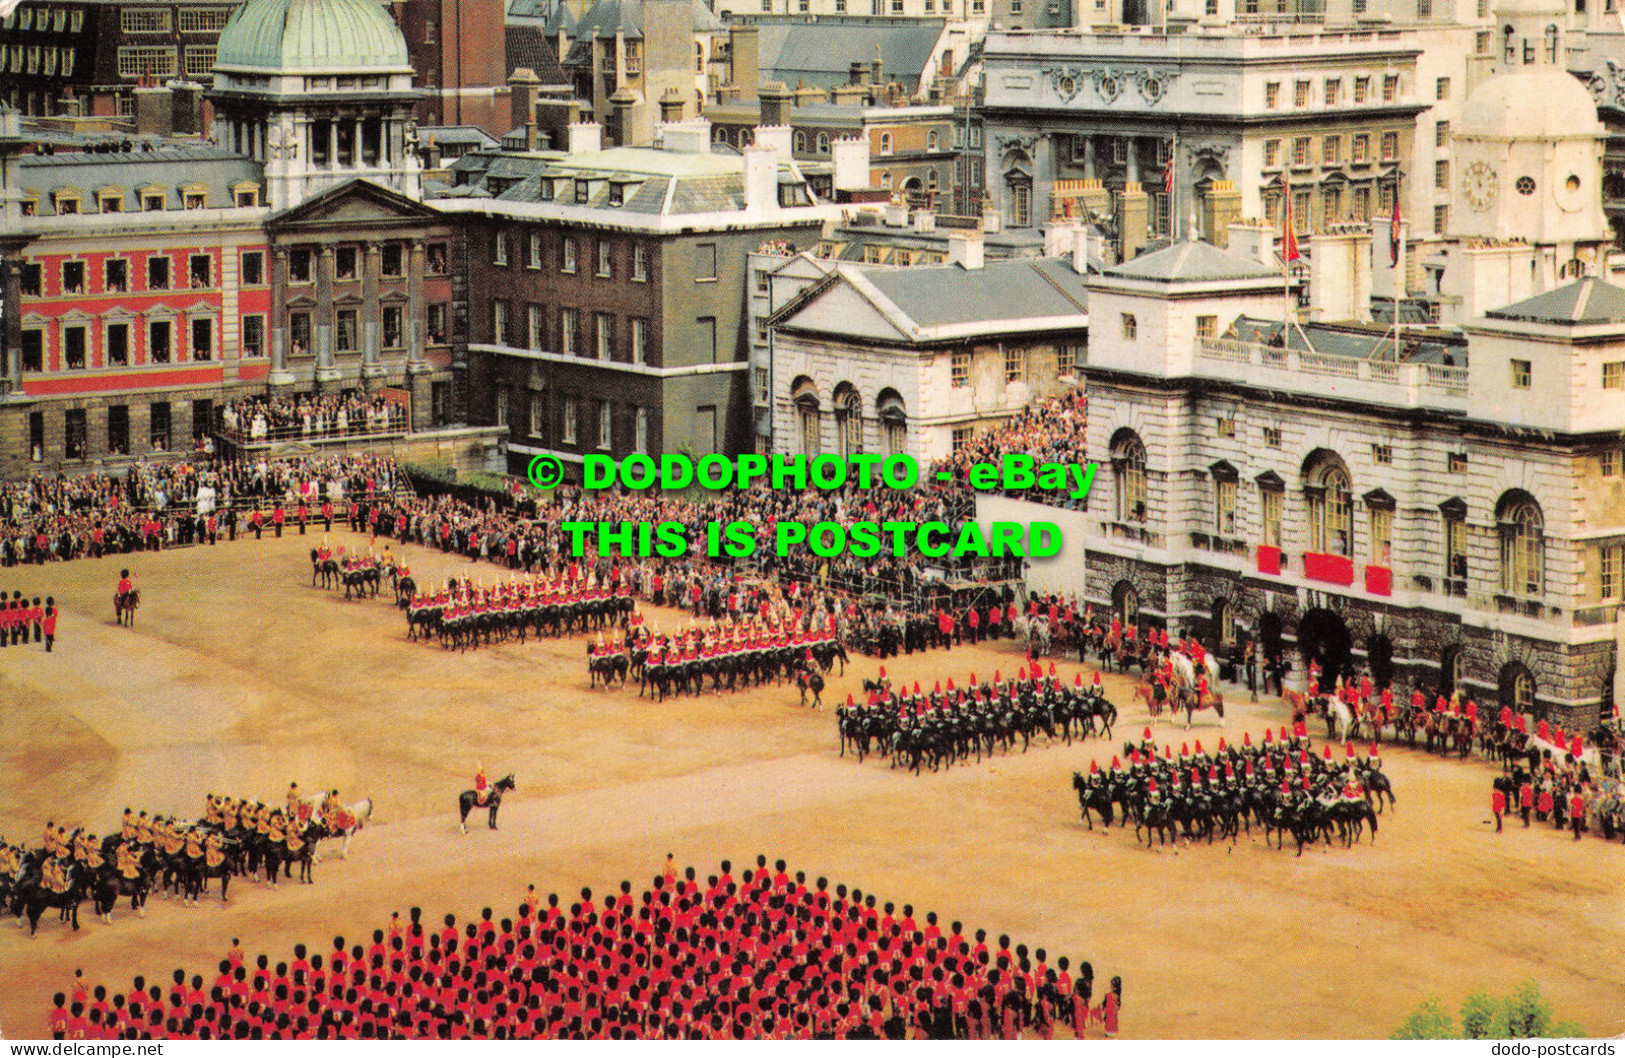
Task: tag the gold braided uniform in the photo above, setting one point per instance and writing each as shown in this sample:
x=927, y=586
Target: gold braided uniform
x=228, y=814
x=129, y=861
x=54, y=876
x=194, y=844
x=143, y=829
x=10, y=859
x=93, y=853
x=211, y=811
x=295, y=842
x=274, y=831
x=214, y=848
x=127, y=830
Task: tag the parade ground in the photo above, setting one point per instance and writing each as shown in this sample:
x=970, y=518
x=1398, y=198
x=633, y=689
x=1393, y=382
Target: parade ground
x=239, y=677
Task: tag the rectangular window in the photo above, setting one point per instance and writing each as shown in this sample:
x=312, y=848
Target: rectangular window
x=535, y=327
x=1224, y=426
x=705, y=261
x=1015, y=364
x=1610, y=561
x=1609, y=463
x=538, y=415
x=204, y=19
x=1456, y=462
x=959, y=367
x=567, y=332
x=203, y=339
x=159, y=338
x=73, y=433
x=1224, y=507
x=1441, y=134
x=1382, y=455
x=73, y=348
x=118, y=430
x=1613, y=375
x=1270, y=507
x=1390, y=146
x=1300, y=150
x=502, y=406
x=533, y=258
x=604, y=336
x=1382, y=537
x=200, y=271
x=1390, y=87
x=73, y=277
x=1207, y=326
x=640, y=263
x=116, y=275
x=118, y=344
x=761, y=330
x=1360, y=148
x=1441, y=219
x=160, y=425
x=200, y=60
x=604, y=269
x=299, y=266
x=762, y=391
x=1441, y=175
x=344, y=330
x=1131, y=327
x=147, y=61
x=1522, y=374
x=1272, y=153
x=1300, y=94
x=604, y=440
x=1272, y=95
x=639, y=333
x=568, y=264
x=640, y=442
x=1455, y=556
x=393, y=320
x=36, y=435
x=299, y=334
x=391, y=261
x=437, y=319
x=253, y=336
x=1334, y=91
x=1272, y=437
x=499, y=248
x=202, y=418
x=761, y=281
x=32, y=280
x=962, y=437
x=1331, y=150
x=499, y=322
x=440, y=402
x=1441, y=88
x=706, y=339
x=252, y=273
x=571, y=405
x=144, y=20
x=1362, y=89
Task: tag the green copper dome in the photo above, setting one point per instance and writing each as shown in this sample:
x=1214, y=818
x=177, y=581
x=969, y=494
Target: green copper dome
x=307, y=35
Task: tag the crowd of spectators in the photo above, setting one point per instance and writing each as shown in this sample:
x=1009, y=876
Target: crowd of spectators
x=306, y=416
x=767, y=957
x=1055, y=431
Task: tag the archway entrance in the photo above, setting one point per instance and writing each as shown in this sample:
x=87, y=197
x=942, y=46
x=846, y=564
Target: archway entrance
x=1126, y=604
x=1269, y=635
x=1323, y=637
x=1379, y=652
x=1452, y=664
x=1517, y=689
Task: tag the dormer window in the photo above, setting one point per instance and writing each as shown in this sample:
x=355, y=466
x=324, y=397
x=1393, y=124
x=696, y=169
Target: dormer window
x=67, y=203
x=110, y=201
x=152, y=201
x=245, y=195
x=193, y=198
x=617, y=194
x=546, y=190
x=583, y=192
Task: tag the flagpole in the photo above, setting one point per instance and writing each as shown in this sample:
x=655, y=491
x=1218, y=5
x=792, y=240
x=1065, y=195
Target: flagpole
x=1398, y=235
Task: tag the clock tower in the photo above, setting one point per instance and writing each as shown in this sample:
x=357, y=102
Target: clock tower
x=1528, y=147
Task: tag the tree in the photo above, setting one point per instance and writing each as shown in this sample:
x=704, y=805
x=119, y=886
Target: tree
x=1522, y=1014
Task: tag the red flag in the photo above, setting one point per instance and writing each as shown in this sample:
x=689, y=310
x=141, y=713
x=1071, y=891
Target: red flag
x=1393, y=232
x=1168, y=176
x=1289, y=237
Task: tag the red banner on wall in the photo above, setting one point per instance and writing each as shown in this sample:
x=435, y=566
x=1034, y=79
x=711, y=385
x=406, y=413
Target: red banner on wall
x=1333, y=569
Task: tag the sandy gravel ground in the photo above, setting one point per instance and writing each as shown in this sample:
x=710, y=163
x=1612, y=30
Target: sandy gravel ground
x=239, y=677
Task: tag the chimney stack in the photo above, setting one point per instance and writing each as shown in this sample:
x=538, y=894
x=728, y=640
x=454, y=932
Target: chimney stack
x=965, y=249
x=187, y=108
x=671, y=107
x=154, y=112
x=585, y=137
x=761, y=179
x=1080, y=249
x=775, y=104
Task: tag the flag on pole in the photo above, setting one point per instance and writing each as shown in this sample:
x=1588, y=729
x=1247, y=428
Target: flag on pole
x=1393, y=232
x=1168, y=175
x=1289, y=237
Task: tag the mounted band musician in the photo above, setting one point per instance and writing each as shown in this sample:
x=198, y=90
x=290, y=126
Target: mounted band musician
x=126, y=597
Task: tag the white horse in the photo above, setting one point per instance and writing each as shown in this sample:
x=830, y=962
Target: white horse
x=342, y=826
x=1185, y=679
x=1035, y=634
x=1339, y=721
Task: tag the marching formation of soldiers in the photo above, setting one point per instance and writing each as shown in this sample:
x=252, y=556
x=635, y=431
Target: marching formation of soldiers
x=772, y=955
x=165, y=854
x=741, y=653
x=465, y=614
x=20, y=618
x=1280, y=784
x=944, y=727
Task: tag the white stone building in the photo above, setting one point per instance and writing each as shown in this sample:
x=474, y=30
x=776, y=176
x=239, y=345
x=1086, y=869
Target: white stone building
x=919, y=360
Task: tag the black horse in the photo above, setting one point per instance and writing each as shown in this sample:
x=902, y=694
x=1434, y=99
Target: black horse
x=465, y=802
x=809, y=680
x=324, y=568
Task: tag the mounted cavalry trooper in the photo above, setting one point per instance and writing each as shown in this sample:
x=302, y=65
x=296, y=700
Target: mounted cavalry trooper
x=482, y=786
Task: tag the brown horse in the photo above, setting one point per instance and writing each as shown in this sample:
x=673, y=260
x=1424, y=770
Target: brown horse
x=124, y=604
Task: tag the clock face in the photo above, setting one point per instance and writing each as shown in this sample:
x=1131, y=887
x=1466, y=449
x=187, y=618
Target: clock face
x=1478, y=187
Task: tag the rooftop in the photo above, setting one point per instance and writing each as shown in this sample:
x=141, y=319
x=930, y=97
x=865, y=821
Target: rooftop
x=1584, y=302
x=1193, y=261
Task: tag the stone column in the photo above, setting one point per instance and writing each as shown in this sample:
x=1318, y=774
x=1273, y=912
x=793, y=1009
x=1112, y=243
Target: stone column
x=1089, y=158
x=323, y=327
x=11, y=337
x=1132, y=154
x=415, y=308
x=280, y=375
x=371, y=267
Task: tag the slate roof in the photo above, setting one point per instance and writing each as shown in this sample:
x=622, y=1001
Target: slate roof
x=939, y=295
x=820, y=54
x=606, y=17
x=1193, y=261
x=169, y=167
x=1417, y=347
x=530, y=48
x=1583, y=302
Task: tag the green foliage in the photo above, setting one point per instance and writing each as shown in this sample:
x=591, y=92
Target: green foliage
x=1520, y=1015
x=1429, y=1021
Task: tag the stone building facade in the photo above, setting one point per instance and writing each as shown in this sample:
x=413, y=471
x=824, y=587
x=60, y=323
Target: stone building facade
x=1447, y=516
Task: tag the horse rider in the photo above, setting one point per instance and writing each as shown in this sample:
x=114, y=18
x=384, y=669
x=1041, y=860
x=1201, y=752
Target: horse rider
x=194, y=844
x=54, y=876
x=125, y=584
x=293, y=799
x=129, y=860
x=214, y=849
x=482, y=788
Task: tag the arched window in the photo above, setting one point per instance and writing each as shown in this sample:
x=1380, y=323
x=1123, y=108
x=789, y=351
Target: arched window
x=699, y=58
x=848, y=421
x=931, y=141
x=893, y=422
x=885, y=143
x=1517, y=689
x=1224, y=623
x=1510, y=45
x=1331, y=506
x=804, y=395
x=1128, y=467
x=1551, y=44
x=931, y=180
x=1523, y=545
x=1126, y=604
x=885, y=181
x=801, y=142
x=719, y=134
x=823, y=143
